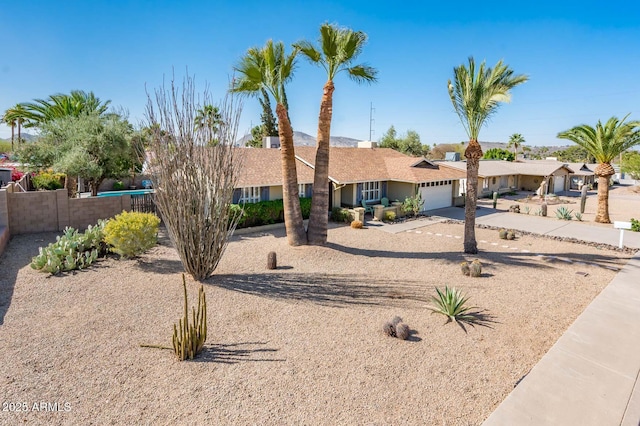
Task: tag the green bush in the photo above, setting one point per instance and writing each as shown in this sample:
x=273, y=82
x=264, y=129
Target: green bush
x=267, y=212
x=72, y=250
x=338, y=214
x=131, y=233
x=118, y=186
x=635, y=225
x=389, y=216
x=48, y=181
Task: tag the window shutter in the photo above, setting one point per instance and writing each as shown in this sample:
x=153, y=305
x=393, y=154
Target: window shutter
x=383, y=190
x=358, y=193
x=308, y=191
x=236, y=195
x=264, y=193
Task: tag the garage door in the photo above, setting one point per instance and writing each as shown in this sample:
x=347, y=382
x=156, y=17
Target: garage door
x=436, y=195
x=558, y=184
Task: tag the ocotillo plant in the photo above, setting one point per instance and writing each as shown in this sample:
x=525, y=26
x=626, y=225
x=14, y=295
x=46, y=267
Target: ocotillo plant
x=188, y=339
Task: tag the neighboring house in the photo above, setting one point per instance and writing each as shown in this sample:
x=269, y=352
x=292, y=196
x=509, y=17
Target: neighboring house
x=370, y=174
x=582, y=175
x=261, y=176
x=505, y=176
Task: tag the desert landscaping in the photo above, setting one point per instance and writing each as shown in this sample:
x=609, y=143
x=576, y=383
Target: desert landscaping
x=302, y=344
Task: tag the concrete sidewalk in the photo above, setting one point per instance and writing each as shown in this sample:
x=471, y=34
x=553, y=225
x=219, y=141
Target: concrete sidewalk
x=544, y=226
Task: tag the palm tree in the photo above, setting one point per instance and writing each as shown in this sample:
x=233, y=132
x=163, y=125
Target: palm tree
x=11, y=121
x=516, y=140
x=270, y=68
x=338, y=49
x=78, y=102
x=208, y=119
x=476, y=95
x=604, y=143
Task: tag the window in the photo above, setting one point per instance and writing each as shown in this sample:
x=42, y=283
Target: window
x=303, y=188
x=371, y=191
x=249, y=195
x=485, y=183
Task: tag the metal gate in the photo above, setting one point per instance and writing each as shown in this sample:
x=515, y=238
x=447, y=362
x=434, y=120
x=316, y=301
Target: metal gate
x=143, y=203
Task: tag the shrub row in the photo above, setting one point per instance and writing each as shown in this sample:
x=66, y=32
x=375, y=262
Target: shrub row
x=266, y=212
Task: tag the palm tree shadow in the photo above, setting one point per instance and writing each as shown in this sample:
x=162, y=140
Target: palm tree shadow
x=480, y=318
x=234, y=353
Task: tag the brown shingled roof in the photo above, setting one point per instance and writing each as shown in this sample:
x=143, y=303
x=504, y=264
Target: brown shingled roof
x=350, y=165
x=263, y=167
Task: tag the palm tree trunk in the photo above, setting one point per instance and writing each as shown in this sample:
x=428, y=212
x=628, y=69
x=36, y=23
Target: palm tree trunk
x=319, y=218
x=13, y=131
x=602, y=215
x=294, y=226
x=19, y=135
x=473, y=153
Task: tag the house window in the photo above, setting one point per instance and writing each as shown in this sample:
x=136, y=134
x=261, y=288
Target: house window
x=485, y=183
x=371, y=191
x=249, y=195
x=303, y=188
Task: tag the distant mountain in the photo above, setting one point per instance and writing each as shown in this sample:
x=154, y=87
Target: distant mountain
x=26, y=136
x=303, y=139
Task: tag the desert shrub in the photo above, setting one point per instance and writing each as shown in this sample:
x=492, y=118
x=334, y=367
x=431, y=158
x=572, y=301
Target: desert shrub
x=564, y=213
x=635, y=225
x=131, y=233
x=72, y=250
x=356, y=224
x=413, y=204
x=390, y=216
x=452, y=304
x=118, y=186
x=48, y=180
x=338, y=214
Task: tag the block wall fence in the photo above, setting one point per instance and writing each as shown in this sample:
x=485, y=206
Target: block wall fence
x=52, y=211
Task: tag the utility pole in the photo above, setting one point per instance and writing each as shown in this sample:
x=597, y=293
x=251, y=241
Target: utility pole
x=371, y=122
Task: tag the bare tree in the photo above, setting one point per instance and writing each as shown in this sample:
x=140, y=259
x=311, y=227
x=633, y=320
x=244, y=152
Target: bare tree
x=193, y=182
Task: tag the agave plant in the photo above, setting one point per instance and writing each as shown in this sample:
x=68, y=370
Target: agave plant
x=564, y=213
x=452, y=304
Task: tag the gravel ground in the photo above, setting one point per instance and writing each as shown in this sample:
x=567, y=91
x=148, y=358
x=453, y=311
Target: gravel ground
x=302, y=344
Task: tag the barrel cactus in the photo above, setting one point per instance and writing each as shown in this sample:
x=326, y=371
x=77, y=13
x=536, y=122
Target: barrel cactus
x=511, y=235
x=464, y=266
x=503, y=234
x=475, y=268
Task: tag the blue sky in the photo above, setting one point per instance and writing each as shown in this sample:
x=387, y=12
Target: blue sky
x=583, y=58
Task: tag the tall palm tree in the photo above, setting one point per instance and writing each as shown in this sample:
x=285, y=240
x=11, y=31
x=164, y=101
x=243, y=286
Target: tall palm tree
x=604, y=143
x=516, y=141
x=208, y=120
x=338, y=49
x=476, y=94
x=11, y=121
x=270, y=68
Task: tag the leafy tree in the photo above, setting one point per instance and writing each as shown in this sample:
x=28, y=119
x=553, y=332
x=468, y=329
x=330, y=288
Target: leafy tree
x=269, y=124
x=476, y=95
x=411, y=144
x=498, y=154
x=390, y=139
x=574, y=154
x=516, y=140
x=604, y=143
x=337, y=50
x=270, y=68
x=631, y=164
x=257, y=133
x=89, y=146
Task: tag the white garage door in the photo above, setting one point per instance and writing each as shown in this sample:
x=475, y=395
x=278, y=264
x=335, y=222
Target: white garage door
x=436, y=195
x=558, y=184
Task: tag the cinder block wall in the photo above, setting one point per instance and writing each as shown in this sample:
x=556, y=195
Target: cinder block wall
x=86, y=211
x=32, y=212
